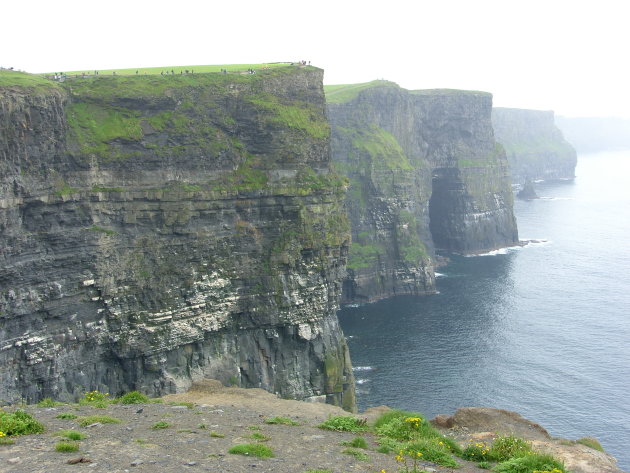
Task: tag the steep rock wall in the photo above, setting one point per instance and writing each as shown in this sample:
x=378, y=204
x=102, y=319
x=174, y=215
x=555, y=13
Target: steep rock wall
x=534, y=146
x=425, y=173
x=159, y=230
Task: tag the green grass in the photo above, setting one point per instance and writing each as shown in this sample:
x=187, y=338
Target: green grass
x=411, y=434
x=252, y=449
x=357, y=442
x=6, y=441
x=259, y=437
x=133, y=397
x=70, y=434
x=530, y=463
x=339, y=93
x=217, y=435
x=344, y=424
x=66, y=446
x=198, y=69
x=160, y=425
x=89, y=420
x=48, y=402
x=356, y=454
x=281, y=420
x=27, y=81
x=591, y=442
x=19, y=423
x=66, y=415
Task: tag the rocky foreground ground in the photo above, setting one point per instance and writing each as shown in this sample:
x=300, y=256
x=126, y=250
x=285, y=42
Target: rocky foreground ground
x=199, y=435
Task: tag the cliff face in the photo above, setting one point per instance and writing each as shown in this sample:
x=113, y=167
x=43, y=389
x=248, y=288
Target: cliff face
x=160, y=230
x=425, y=173
x=534, y=146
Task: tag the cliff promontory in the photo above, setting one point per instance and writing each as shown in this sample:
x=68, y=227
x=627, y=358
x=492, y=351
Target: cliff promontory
x=425, y=173
x=534, y=145
x=156, y=230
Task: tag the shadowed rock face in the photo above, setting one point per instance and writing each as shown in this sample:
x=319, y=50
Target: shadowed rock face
x=155, y=231
x=425, y=173
x=534, y=146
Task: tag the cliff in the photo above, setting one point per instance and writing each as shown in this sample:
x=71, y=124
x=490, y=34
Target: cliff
x=425, y=173
x=159, y=230
x=534, y=146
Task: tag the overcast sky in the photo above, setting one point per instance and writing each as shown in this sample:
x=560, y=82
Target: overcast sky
x=568, y=56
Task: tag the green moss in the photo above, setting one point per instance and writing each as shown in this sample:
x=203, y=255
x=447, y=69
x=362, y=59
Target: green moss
x=299, y=115
x=96, y=228
x=94, y=127
x=380, y=146
x=364, y=255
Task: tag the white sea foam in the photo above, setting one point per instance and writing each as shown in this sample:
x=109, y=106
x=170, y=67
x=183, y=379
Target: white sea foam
x=523, y=244
x=362, y=381
x=440, y=275
x=362, y=368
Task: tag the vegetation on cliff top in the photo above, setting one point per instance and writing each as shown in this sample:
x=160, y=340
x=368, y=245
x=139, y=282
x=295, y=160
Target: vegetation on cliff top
x=339, y=93
x=449, y=92
x=198, y=69
x=33, y=83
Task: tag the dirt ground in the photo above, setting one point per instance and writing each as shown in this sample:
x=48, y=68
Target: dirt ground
x=198, y=438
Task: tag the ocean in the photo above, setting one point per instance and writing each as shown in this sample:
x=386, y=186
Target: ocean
x=543, y=329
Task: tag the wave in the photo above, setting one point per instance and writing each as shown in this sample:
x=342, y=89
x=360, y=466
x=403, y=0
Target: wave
x=522, y=244
x=362, y=368
x=440, y=275
x=362, y=381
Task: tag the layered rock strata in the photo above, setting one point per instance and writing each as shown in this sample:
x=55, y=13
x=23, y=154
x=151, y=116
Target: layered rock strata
x=425, y=173
x=535, y=147
x=159, y=230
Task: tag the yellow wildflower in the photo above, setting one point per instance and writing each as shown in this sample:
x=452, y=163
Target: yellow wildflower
x=2, y=434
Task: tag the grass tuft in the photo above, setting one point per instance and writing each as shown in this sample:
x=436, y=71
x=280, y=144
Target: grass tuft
x=344, y=424
x=70, y=434
x=67, y=446
x=133, y=397
x=281, y=420
x=252, y=449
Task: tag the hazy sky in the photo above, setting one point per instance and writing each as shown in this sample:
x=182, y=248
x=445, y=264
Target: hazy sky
x=567, y=56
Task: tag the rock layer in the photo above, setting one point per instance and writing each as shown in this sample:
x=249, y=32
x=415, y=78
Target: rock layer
x=157, y=231
x=534, y=145
x=425, y=173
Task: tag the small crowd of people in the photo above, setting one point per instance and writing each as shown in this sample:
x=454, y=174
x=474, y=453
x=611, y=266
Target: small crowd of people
x=172, y=72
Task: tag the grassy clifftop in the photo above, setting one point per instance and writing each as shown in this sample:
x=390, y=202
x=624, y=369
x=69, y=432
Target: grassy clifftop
x=339, y=93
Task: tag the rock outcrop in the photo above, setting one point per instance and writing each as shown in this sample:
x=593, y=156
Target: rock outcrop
x=425, y=173
x=534, y=146
x=482, y=424
x=159, y=230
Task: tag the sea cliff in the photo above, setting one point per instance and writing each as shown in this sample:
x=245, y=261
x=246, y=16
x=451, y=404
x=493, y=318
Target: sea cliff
x=534, y=145
x=425, y=173
x=158, y=230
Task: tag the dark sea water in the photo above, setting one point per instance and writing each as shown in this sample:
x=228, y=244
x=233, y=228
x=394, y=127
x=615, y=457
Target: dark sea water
x=543, y=330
